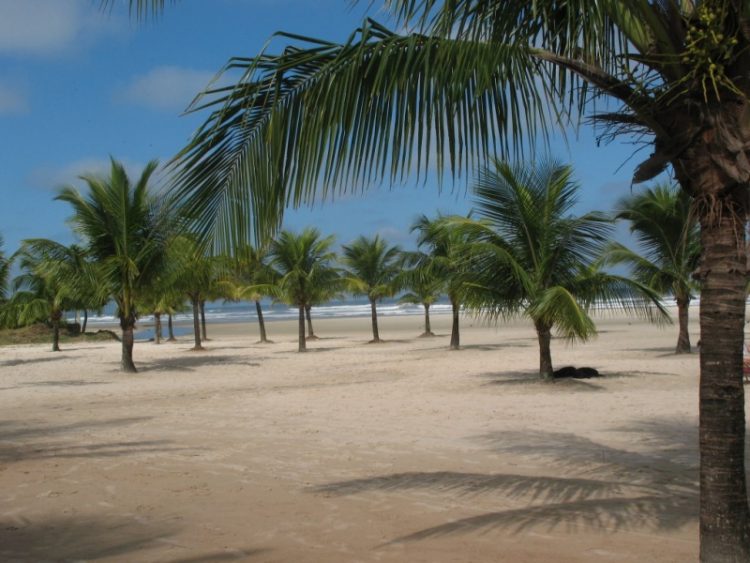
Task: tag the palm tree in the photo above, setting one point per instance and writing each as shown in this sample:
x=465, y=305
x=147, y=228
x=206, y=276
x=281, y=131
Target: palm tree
x=664, y=224
x=533, y=258
x=446, y=259
x=126, y=233
x=4, y=273
x=53, y=280
x=373, y=266
x=473, y=78
x=301, y=261
x=425, y=288
x=194, y=273
x=328, y=285
x=246, y=276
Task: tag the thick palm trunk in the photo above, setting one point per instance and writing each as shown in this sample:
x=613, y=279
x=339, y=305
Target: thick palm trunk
x=197, y=325
x=56, y=331
x=683, y=340
x=261, y=322
x=724, y=516
x=127, y=325
x=170, y=328
x=157, y=328
x=85, y=320
x=715, y=169
x=203, y=320
x=374, y=316
x=301, y=347
x=455, y=336
x=427, y=329
x=308, y=316
x=544, y=335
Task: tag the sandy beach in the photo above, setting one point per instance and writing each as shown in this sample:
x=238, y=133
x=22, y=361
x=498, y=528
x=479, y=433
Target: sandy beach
x=402, y=451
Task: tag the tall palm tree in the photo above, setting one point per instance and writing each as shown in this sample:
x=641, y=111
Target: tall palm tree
x=532, y=257
x=471, y=78
x=126, y=232
x=664, y=224
x=302, y=262
x=372, y=266
x=424, y=288
x=446, y=259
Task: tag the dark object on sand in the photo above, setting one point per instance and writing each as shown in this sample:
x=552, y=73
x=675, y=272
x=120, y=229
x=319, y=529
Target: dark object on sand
x=576, y=373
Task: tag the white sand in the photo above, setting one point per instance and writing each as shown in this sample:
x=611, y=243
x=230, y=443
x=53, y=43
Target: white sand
x=403, y=451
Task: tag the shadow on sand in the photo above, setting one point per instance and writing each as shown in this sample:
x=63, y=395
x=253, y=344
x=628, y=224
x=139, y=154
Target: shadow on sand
x=195, y=361
x=592, y=486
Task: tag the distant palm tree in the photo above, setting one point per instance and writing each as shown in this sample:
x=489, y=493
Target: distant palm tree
x=667, y=230
x=126, y=232
x=328, y=285
x=194, y=273
x=532, y=257
x=445, y=259
x=372, y=266
x=51, y=282
x=424, y=285
x=301, y=261
x=245, y=277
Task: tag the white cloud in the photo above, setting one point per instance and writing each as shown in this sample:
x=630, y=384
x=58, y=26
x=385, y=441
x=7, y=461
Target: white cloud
x=168, y=88
x=53, y=178
x=48, y=27
x=13, y=100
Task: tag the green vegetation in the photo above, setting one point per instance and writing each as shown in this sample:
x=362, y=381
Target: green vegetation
x=126, y=233
x=373, y=267
x=666, y=229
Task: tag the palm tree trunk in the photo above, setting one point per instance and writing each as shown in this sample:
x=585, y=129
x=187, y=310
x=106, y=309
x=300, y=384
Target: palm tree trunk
x=56, y=316
x=302, y=347
x=126, y=363
x=683, y=340
x=427, y=329
x=544, y=335
x=261, y=322
x=170, y=328
x=310, y=332
x=203, y=319
x=724, y=514
x=157, y=328
x=85, y=320
x=197, y=325
x=374, y=315
x=455, y=336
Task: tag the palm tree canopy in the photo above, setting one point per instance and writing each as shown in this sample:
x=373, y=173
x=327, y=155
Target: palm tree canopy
x=446, y=247
x=125, y=229
x=373, y=266
x=532, y=256
x=663, y=222
x=476, y=79
x=303, y=261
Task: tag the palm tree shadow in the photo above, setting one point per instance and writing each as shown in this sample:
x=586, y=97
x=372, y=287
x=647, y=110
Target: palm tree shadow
x=21, y=362
x=194, y=362
x=610, y=489
x=532, y=379
x=78, y=538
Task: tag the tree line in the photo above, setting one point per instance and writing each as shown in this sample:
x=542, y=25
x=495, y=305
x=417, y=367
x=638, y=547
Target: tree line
x=521, y=252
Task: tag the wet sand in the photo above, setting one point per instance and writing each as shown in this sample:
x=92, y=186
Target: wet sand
x=400, y=451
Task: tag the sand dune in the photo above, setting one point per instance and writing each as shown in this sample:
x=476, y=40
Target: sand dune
x=403, y=451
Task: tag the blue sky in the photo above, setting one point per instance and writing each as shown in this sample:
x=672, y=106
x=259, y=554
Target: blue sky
x=78, y=85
